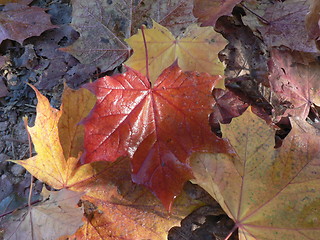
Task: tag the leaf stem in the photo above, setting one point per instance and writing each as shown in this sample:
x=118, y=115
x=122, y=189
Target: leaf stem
x=25, y=120
x=231, y=232
x=146, y=51
x=261, y=18
x=27, y=205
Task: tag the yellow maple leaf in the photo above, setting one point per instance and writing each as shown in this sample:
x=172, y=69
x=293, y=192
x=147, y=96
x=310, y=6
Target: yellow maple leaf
x=269, y=193
x=58, y=139
x=196, y=50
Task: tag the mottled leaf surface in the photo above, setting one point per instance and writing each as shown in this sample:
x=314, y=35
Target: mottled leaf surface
x=176, y=15
x=294, y=82
x=158, y=127
x=287, y=25
x=269, y=193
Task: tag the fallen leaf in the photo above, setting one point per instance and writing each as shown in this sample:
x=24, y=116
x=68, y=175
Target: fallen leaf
x=204, y=222
x=3, y=89
x=176, y=15
x=116, y=208
x=54, y=66
x=110, y=22
x=287, y=26
x=294, y=82
x=58, y=140
x=56, y=216
x=208, y=11
x=245, y=55
x=312, y=20
x=119, y=208
x=196, y=50
x=253, y=9
x=18, y=22
x=158, y=127
x=16, y=1
x=227, y=106
x=269, y=193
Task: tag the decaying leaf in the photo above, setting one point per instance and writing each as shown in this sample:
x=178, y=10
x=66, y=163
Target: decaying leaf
x=158, y=127
x=15, y=1
x=196, y=50
x=208, y=11
x=227, y=106
x=269, y=193
x=176, y=15
x=103, y=25
x=18, y=22
x=58, y=140
x=3, y=89
x=287, y=26
x=56, y=216
x=294, y=82
x=120, y=209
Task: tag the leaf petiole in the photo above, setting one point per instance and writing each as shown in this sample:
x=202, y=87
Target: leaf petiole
x=146, y=51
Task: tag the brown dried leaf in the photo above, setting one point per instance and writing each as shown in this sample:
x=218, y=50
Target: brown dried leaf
x=19, y=21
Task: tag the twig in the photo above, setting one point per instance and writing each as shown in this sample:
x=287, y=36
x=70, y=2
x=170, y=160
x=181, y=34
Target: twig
x=10, y=139
x=11, y=211
x=25, y=120
x=231, y=232
x=261, y=18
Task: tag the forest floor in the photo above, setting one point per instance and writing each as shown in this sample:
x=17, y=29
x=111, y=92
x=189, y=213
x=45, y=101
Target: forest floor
x=39, y=62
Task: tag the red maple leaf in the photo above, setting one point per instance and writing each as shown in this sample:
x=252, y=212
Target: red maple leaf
x=158, y=127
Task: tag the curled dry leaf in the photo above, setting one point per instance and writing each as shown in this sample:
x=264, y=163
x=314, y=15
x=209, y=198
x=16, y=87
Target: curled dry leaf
x=196, y=50
x=227, y=106
x=269, y=193
x=158, y=127
x=56, y=216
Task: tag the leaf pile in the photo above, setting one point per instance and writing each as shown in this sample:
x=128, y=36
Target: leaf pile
x=127, y=148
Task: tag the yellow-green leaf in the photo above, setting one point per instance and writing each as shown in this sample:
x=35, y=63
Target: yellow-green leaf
x=269, y=193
